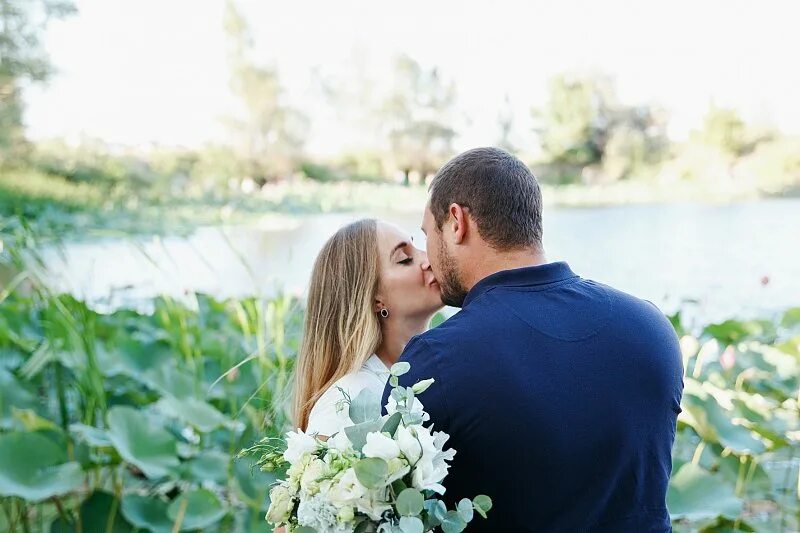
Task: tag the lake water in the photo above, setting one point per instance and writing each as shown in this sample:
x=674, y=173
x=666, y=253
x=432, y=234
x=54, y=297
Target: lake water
x=733, y=260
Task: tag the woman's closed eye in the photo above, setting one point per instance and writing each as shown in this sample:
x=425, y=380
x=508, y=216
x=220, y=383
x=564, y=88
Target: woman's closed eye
x=406, y=261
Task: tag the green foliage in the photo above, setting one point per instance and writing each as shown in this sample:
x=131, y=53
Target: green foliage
x=410, y=502
x=418, y=116
x=22, y=60
x=584, y=124
x=737, y=432
x=723, y=129
x=154, y=443
x=34, y=467
x=123, y=417
x=371, y=472
x=696, y=494
x=270, y=134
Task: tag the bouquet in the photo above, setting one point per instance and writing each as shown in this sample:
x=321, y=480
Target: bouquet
x=383, y=474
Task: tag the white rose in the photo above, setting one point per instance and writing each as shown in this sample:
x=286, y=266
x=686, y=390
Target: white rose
x=428, y=475
x=298, y=444
x=315, y=470
x=347, y=490
x=295, y=472
x=381, y=446
x=281, y=504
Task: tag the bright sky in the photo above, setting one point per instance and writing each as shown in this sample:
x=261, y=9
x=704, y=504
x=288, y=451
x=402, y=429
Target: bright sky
x=141, y=71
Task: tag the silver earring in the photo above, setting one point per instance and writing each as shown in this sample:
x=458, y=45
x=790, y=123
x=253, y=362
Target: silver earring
x=385, y=313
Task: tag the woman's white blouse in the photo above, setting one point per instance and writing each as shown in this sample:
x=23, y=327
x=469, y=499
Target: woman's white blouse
x=329, y=414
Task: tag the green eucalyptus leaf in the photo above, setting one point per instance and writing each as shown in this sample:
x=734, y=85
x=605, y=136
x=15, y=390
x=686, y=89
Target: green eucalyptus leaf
x=365, y=407
x=436, y=511
x=357, y=434
x=372, y=472
x=392, y=423
x=398, y=369
x=482, y=504
x=410, y=502
x=453, y=523
x=464, y=508
x=411, y=524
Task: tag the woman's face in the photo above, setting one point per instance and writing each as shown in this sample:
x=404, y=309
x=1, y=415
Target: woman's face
x=408, y=287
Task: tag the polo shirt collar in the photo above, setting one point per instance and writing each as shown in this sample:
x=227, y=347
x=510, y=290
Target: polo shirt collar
x=521, y=277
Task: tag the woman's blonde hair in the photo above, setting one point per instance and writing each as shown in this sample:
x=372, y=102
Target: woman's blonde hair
x=341, y=329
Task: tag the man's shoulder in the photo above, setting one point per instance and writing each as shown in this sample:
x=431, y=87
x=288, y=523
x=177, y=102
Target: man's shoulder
x=457, y=327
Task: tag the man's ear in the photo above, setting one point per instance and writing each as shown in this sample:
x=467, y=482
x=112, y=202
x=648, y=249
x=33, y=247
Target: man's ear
x=458, y=221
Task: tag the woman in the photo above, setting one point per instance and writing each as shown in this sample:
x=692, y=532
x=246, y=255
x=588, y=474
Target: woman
x=371, y=291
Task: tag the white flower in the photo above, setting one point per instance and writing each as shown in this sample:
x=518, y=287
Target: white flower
x=281, y=504
x=295, y=472
x=427, y=475
x=340, y=443
x=315, y=470
x=409, y=445
x=397, y=469
x=381, y=446
x=347, y=490
x=374, y=503
x=422, y=386
x=298, y=444
x=318, y=513
x=416, y=408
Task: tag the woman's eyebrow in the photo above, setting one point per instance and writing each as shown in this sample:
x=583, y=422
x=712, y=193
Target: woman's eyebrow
x=402, y=244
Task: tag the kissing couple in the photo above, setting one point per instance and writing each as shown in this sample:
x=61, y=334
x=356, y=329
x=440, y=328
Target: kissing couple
x=560, y=394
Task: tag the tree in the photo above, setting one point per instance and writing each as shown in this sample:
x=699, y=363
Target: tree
x=724, y=129
x=22, y=59
x=418, y=117
x=573, y=125
x=583, y=123
x=271, y=135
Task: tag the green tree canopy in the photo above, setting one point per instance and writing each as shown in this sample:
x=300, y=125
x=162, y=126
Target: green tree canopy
x=23, y=59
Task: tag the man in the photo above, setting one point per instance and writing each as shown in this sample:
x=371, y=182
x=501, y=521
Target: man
x=560, y=394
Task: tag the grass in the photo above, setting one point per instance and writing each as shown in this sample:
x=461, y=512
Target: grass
x=56, y=208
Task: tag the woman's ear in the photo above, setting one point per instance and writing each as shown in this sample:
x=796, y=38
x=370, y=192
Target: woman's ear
x=378, y=305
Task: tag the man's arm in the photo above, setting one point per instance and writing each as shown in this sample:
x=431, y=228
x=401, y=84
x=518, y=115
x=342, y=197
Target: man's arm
x=425, y=364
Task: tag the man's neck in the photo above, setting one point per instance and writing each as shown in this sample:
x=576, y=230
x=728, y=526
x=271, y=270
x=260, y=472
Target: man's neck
x=493, y=261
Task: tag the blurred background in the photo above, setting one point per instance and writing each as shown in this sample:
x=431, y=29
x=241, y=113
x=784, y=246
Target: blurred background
x=169, y=170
